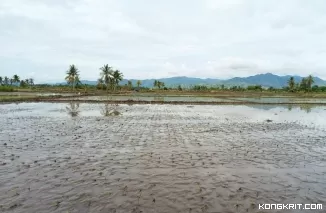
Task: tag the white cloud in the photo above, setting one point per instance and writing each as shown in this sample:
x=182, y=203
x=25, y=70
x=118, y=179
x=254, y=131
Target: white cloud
x=145, y=39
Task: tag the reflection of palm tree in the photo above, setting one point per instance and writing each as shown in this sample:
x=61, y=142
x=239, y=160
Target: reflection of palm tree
x=306, y=107
x=110, y=110
x=73, y=109
x=290, y=107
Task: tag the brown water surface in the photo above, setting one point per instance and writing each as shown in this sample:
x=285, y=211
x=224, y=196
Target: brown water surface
x=159, y=158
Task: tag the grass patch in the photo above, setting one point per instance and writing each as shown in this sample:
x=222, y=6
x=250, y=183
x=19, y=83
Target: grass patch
x=7, y=89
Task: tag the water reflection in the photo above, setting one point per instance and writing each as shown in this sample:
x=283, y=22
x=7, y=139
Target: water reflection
x=304, y=107
x=110, y=110
x=73, y=109
x=307, y=108
x=158, y=98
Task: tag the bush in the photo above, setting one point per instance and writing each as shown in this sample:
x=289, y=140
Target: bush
x=6, y=89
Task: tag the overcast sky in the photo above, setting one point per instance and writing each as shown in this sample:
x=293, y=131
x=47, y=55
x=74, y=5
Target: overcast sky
x=154, y=38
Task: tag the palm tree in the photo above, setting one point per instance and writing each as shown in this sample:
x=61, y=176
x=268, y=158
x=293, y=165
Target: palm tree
x=31, y=82
x=77, y=81
x=310, y=81
x=72, y=75
x=304, y=84
x=107, y=75
x=130, y=84
x=138, y=83
x=291, y=84
x=100, y=83
x=160, y=84
x=155, y=83
x=6, y=81
x=1, y=80
x=15, y=79
x=117, y=76
x=23, y=83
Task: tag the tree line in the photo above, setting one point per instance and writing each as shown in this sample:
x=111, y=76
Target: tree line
x=15, y=80
x=110, y=79
x=304, y=85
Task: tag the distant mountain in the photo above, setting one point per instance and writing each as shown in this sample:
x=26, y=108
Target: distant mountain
x=266, y=80
x=169, y=82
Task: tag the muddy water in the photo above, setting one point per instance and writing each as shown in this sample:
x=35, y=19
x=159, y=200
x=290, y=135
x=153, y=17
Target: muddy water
x=262, y=100
x=159, y=158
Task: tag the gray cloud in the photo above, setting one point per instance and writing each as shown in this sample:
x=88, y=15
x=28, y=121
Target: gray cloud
x=147, y=39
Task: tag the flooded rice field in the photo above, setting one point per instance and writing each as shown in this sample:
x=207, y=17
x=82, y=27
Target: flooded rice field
x=191, y=98
x=72, y=157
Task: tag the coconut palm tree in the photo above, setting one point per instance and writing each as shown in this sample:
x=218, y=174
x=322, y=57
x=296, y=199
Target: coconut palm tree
x=72, y=75
x=155, y=83
x=130, y=84
x=291, y=84
x=15, y=79
x=304, y=84
x=310, y=81
x=6, y=81
x=138, y=83
x=117, y=76
x=31, y=82
x=100, y=83
x=107, y=75
x=160, y=84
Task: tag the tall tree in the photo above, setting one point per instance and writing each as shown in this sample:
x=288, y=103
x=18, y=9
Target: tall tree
x=24, y=83
x=72, y=75
x=107, y=75
x=155, y=83
x=291, y=84
x=100, y=83
x=1, y=80
x=304, y=84
x=139, y=83
x=6, y=81
x=310, y=81
x=31, y=82
x=130, y=84
x=15, y=79
x=160, y=84
x=117, y=76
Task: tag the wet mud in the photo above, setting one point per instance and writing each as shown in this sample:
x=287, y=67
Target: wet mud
x=158, y=158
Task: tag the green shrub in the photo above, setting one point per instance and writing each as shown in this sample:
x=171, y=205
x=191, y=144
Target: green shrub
x=6, y=89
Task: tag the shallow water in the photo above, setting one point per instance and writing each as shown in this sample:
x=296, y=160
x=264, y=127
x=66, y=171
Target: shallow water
x=32, y=94
x=155, y=98
x=278, y=100
x=191, y=98
x=159, y=158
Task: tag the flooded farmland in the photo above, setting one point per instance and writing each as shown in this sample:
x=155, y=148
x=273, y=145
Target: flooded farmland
x=79, y=157
x=201, y=99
